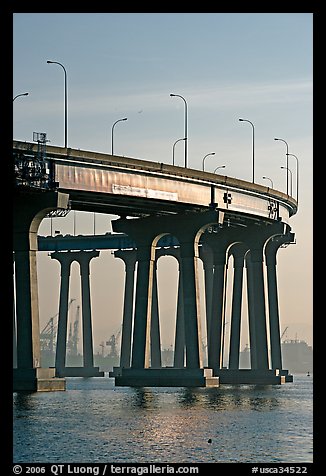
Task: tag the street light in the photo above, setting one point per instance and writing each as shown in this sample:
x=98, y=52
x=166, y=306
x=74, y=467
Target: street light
x=297, y=175
x=186, y=125
x=287, y=163
x=267, y=178
x=219, y=167
x=288, y=170
x=211, y=153
x=66, y=105
x=116, y=122
x=18, y=95
x=178, y=140
x=253, y=147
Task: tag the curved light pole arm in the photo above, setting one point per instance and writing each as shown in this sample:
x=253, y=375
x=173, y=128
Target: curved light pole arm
x=219, y=167
x=287, y=162
x=66, y=102
x=18, y=95
x=173, y=148
x=289, y=170
x=211, y=153
x=253, y=147
x=186, y=125
x=119, y=120
x=296, y=158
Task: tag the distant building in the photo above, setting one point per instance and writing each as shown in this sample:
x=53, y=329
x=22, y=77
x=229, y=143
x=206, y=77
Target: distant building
x=297, y=356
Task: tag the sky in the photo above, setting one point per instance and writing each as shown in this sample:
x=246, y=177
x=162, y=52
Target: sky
x=256, y=66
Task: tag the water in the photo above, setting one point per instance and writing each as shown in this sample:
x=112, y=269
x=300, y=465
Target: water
x=93, y=421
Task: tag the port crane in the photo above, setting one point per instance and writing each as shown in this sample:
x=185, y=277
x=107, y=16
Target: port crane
x=112, y=342
x=284, y=332
x=73, y=335
x=49, y=333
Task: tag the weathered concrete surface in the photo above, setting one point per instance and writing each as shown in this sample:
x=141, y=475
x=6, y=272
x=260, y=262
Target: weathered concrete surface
x=254, y=376
x=80, y=372
x=37, y=380
x=165, y=377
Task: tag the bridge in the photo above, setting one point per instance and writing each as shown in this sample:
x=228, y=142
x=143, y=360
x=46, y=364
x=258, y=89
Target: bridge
x=204, y=215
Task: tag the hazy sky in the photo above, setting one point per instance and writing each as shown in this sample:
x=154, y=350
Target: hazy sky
x=257, y=66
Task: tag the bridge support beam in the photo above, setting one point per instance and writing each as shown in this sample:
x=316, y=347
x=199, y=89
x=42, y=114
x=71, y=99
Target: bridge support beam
x=248, y=243
x=88, y=369
x=29, y=211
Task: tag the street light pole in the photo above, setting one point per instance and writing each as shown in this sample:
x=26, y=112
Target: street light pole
x=178, y=140
x=116, y=122
x=288, y=170
x=66, y=103
x=18, y=95
x=267, y=178
x=186, y=126
x=287, y=163
x=211, y=153
x=219, y=167
x=253, y=147
x=292, y=155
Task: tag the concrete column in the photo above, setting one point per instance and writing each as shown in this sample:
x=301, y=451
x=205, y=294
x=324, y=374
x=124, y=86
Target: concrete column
x=143, y=308
x=14, y=347
x=14, y=332
x=129, y=258
x=27, y=312
x=274, y=322
x=65, y=260
x=179, y=341
x=84, y=261
x=237, y=251
x=206, y=255
x=29, y=210
x=218, y=312
x=190, y=288
x=257, y=303
x=256, y=238
x=156, y=360
x=251, y=314
x=219, y=242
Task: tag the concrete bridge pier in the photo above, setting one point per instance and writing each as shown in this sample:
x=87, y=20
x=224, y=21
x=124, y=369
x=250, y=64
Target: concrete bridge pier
x=271, y=249
x=146, y=232
x=219, y=243
x=248, y=244
x=83, y=258
x=130, y=258
x=29, y=211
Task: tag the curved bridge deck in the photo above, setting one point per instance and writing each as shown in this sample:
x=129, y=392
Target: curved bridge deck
x=134, y=187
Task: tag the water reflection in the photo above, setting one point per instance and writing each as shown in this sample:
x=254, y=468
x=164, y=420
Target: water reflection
x=24, y=401
x=143, y=397
x=230, y=398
